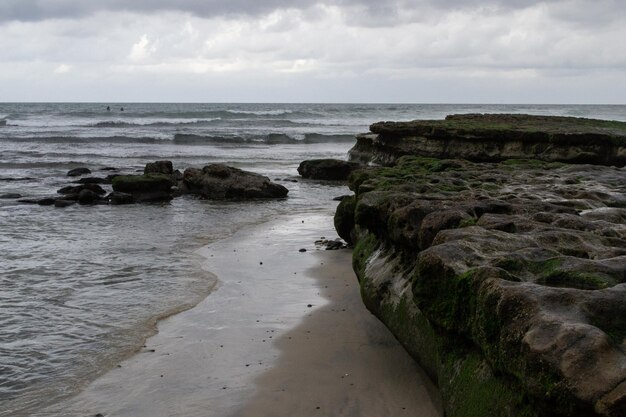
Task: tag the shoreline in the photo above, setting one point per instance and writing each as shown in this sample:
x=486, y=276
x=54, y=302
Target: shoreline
x=223, y=355
x=341, y=361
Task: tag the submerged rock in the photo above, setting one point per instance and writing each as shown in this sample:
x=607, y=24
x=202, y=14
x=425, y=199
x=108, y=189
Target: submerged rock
x=60, y=203
x=506, y=281
x=327, y=169
x=219, y=182
x=70, y=189
x=77, y=172
x=44, y=201
x=9, y=196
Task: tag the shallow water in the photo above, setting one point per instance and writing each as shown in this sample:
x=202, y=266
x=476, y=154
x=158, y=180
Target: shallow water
x=81, y=287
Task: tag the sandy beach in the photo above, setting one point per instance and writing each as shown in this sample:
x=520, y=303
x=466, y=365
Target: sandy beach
x=284, y=334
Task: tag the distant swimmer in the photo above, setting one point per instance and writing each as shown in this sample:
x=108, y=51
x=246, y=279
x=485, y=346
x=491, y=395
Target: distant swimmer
x=108, y=108
x=121, y=108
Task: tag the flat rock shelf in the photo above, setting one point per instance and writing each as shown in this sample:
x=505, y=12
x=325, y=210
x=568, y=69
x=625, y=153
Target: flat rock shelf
x=496, y=137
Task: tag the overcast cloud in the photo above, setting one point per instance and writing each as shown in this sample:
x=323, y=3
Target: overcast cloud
x=306, y=50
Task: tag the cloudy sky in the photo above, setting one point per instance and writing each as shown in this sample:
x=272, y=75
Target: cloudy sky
x=450, y=51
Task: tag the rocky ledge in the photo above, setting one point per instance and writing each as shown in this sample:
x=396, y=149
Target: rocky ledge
x=506, y=281
x=496, y=137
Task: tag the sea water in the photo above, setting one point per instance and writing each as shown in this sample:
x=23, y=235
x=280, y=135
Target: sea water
x=82, y=287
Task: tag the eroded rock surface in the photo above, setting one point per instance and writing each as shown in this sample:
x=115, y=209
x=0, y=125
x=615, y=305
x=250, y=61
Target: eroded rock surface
x=507, y=281
x=496, y=137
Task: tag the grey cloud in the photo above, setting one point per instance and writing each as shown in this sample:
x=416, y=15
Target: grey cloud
x=366, y=12
x=33, y=10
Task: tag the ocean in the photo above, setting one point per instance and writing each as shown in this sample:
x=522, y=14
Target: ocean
x=82, y=287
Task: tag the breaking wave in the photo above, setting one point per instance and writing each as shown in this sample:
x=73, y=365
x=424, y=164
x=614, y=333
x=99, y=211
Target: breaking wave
x=195, y=139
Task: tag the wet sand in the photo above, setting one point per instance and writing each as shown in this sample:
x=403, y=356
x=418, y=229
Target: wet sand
x=284, y=334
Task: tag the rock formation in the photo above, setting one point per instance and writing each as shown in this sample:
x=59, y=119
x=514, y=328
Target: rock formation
x=494, y=138
x=505, y=280
x=159, y=183
x=217, y=181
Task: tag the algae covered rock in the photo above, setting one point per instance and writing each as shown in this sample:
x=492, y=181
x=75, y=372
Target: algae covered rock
x=506, y=281
x=218, y=181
